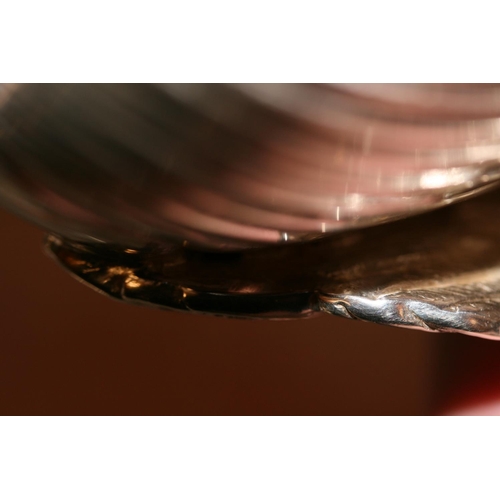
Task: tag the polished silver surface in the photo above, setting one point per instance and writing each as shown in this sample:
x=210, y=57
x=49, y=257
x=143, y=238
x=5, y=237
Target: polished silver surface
x=243, y=165
x=190, y=196
x=439, y=271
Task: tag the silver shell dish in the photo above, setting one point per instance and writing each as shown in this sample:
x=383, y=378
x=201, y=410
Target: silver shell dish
x=141, y=184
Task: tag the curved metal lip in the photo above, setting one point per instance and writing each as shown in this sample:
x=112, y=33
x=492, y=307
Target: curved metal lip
x=439, y=271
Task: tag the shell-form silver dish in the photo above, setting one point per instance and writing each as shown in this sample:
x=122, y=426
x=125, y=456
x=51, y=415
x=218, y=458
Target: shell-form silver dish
x=189, y=196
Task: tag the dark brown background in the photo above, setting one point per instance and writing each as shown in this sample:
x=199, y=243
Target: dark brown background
x=64, y=349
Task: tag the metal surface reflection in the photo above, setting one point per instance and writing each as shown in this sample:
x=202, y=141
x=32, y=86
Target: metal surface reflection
x=239, y=166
